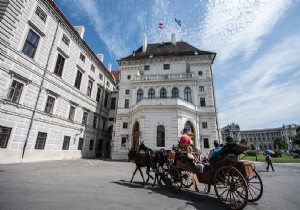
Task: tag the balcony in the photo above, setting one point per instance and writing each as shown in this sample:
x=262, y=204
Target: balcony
x=164, y=77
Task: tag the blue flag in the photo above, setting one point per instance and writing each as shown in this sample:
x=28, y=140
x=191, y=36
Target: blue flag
x=178, y=22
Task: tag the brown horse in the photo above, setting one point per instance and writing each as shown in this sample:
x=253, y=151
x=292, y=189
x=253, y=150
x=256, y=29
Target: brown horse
x=144, y=157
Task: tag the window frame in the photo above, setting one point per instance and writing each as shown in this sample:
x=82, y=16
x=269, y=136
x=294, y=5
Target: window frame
x=146, y=67
x=187, y=94
x=163, y=93
x=82, y=57
x=140, y=95
x=127, y=91
x=13, y=90
x=66, y=143
x=151, y=93
x=166, y=66
x=206, y=143
x=5, y=133
x=30, y=43
x=202, y=101
x=204, y=125
x=78, y=79
x=89, y=88
x=91, y=146
x=59, y=65
x=80, y=143
x=41, y=140
x=123, y=141
x=113, y=101
x=47, y=103
x=125, y=125
x=175, y=92
x=95, y=119
x=98, y=96
x=160, y=136
x=126, y=104
x=41, y=13
x=66, y=39
x=72, y=112
x=84, y=118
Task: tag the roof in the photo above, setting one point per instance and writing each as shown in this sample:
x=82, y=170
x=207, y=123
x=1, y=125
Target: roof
x=166, y=49
x=116, y=74
x=78, y=36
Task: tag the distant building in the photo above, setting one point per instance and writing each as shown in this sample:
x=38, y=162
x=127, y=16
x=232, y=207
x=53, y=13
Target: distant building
x=57, y=99
x=260, y=139
x=164, y=88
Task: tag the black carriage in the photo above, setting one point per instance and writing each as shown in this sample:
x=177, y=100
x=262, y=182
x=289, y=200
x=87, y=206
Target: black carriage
x=235, y=182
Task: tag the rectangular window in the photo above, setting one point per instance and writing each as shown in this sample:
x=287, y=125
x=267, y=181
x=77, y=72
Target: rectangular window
x=113, y=103
x=95, y=121
x=89, y=88
x=202, y=101
x=101, y=76
x=92, y=68
x=66, y=39
x=66, y=143
x=31, y=44
x=123, y=142
x=107, y=84
x=104, y=123
x=111, y=119
x=126, y=103
x=91, y=144
x=41, y=13
x=127, y=92
x=98, y=94
x=84, y=118
x=49, y=104
x=4, y=136
x=72, y=113
x=82, y=57
x=166, y=66
x=201, y=88
x=206, y=143
x=80, y=144
x=204, y=124
x=41, y=140
x=125, y=125
x=105, y=99
x=146, y=67
x=15, y=92
x=78, y=79
x=59, y=65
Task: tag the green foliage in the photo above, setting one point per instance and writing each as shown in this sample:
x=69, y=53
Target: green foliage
x=297, y=156
x=296, y=138
x=280, y=143
x=251, y=153
x=278, y=153
x=229, y=139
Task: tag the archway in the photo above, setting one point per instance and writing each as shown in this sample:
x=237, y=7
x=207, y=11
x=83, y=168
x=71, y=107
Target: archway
x=135, y=136
x=191, y=131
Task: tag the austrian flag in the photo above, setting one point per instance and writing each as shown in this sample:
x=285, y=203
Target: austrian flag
x=160, y=25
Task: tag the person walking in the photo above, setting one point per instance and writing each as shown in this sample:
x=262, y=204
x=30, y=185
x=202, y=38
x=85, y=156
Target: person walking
x=269, y=162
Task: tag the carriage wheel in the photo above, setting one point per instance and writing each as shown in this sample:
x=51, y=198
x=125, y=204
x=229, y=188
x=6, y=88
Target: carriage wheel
x=186, y=179
x=255, y=187
x=174, y=179
x=231, y=187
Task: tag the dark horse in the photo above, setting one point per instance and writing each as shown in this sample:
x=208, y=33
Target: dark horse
x=144, y=157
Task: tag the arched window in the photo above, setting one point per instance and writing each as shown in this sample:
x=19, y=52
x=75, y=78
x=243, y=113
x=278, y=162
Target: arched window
x=160, y=141
x=175, y=92
x=140, y=95
x=188, y=94
x=151, y=93
x=163, y=93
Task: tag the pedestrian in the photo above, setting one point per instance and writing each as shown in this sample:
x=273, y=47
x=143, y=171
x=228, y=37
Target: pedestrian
x=269, y=162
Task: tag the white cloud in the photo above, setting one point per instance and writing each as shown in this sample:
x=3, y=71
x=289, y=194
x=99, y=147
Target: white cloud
x=268, y=90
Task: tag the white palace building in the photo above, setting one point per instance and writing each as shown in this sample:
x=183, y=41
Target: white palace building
x=164, y=88
x=58, y=101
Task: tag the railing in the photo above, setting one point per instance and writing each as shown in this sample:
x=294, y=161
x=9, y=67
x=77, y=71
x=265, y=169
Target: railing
x=164, y=76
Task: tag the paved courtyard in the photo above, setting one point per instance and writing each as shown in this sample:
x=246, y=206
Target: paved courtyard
x=98, y=184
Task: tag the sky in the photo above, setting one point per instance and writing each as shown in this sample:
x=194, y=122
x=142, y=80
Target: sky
x=257, y=67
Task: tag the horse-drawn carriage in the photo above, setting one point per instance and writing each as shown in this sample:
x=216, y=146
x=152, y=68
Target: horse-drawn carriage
x=235, y=182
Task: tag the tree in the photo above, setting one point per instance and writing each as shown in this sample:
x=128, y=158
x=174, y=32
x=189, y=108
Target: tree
x=280, y=143
x=296, y=138
x=229, y=139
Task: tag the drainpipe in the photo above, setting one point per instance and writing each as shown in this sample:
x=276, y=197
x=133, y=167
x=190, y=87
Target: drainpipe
x=40, y=90
x=99, y=114
x=217, y=121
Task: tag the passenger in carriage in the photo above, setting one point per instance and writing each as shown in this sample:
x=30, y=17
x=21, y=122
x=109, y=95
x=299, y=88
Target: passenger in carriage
x=185, y=140
x=215, y=150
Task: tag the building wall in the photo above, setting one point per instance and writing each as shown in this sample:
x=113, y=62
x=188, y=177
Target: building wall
x=27, y=117
x=170, y=112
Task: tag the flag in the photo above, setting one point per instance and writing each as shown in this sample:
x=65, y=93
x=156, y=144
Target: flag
x=178, y=22
x=160, y=25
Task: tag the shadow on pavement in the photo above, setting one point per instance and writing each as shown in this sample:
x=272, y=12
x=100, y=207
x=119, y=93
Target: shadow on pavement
x=197, y=200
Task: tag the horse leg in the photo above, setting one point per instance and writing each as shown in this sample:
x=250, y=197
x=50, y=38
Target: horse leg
x=142, y=175
x=194, y=182
x=134, y=173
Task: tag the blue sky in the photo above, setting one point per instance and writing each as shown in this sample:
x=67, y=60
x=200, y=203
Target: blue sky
x=257, y=68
